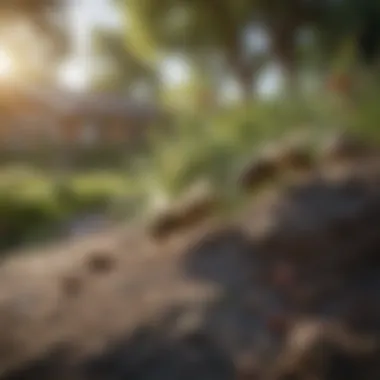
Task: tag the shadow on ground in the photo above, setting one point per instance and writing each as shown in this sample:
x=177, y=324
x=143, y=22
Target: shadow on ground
x=319, y=259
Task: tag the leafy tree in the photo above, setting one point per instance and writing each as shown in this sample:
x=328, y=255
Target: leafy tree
x=206, y=31
x=123, y=71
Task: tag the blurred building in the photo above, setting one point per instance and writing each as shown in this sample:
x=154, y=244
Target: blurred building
x=35, y=116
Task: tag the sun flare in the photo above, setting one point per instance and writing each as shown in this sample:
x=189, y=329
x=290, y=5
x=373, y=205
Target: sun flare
x=6, y=64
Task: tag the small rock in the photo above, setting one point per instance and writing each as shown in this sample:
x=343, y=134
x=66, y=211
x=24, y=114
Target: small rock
x=71, y=286
x=100, y=262
x=256, y=173
x=292, y=154
x=163, y=224
x=197, y=205
x=344, y=146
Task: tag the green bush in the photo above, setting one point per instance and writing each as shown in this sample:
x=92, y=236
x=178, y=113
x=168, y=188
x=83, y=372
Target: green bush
x=216, y=146
x=31, y=201
x=93, y=191
x=27, y=203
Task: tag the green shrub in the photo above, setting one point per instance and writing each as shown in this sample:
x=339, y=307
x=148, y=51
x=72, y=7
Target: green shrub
x=27, y=202
x=31, y=202
x=215, y=146
x=93, y=191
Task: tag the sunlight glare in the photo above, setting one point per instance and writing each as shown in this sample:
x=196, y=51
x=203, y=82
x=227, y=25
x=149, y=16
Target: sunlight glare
x=74, y=74
x=6, y=64
x=175, y=71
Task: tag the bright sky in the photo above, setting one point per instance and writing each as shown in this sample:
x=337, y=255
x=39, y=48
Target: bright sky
x=83, y=16
x=86, y=14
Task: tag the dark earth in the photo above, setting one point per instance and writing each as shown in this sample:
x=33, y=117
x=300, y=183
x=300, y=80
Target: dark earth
x=289, y=289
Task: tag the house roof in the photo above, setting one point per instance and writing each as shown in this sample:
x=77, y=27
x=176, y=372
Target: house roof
x=70, y=103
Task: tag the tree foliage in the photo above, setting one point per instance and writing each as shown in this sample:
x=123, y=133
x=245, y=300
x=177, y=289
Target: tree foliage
x=215, y=33
x=202, y=31
x=124, y=71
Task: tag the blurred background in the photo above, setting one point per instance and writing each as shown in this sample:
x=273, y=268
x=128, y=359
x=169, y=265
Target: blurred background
x=110, y=108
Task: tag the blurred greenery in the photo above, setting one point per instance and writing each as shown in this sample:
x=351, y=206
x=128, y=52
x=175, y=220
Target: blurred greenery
x=223, y=40
x=217, y=43
x=32, y=200
x=202, y=146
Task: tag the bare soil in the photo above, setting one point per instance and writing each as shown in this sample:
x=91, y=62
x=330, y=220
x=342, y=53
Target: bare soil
x=222, y=300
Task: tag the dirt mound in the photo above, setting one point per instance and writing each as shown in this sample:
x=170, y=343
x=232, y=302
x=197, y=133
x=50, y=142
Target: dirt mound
x=288, y=291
